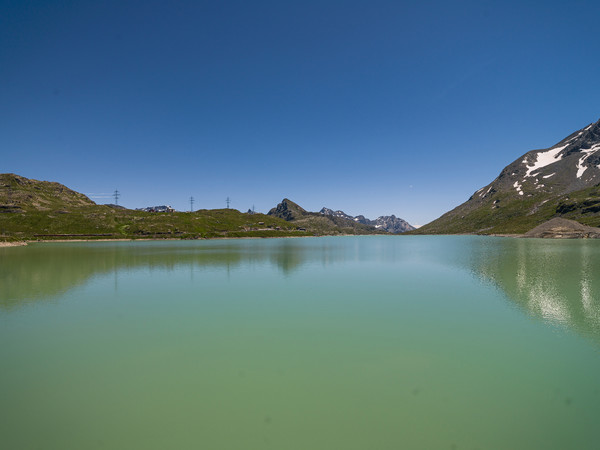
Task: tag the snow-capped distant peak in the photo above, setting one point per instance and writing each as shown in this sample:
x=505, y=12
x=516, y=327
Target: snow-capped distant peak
x=391, y=223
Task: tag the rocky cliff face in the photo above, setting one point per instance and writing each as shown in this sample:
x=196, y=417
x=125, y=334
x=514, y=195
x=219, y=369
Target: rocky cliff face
x=392, y=224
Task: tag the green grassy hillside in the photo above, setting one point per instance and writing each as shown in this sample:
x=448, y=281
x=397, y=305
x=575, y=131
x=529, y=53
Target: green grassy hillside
x=41, y=210
x=31, y=209
x=506, y=213
x=103, y=222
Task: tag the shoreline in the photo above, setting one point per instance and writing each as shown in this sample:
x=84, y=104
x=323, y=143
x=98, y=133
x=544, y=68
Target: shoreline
x=13, y=244
x=46, y=241
x=162, y=239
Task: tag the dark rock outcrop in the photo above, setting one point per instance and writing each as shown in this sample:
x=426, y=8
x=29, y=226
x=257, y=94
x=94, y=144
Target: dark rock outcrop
x=288, y=210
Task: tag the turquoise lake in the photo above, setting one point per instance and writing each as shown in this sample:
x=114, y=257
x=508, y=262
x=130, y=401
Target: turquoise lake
x=372, y=342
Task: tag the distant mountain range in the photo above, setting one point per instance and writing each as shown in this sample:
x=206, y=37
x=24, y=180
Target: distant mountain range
x=292, y=212
x=560, y=181
x=317, y=222
x=391, y=224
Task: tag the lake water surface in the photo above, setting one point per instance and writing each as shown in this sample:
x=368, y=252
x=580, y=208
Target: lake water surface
x=374, y=342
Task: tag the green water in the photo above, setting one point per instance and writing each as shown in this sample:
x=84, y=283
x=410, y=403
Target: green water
x=375, y=342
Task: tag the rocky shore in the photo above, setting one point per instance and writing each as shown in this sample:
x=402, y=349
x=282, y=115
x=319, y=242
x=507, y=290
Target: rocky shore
x=559, y=228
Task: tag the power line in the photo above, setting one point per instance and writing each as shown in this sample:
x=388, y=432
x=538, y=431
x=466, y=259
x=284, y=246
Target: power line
x=228, y=201
x=191, y=204
x=116, y=195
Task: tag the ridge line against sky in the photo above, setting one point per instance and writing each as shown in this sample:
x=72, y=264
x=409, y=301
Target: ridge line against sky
x=374, y=108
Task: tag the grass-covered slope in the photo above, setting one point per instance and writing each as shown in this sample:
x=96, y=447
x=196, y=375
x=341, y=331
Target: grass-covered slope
x=22, y=194
x=31, y=209
x=507, y=213
x=103, y=222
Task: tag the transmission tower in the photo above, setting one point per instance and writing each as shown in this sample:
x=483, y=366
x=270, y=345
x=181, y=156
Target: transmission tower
x=228, y=201
x=191, y=204
x=116, y=195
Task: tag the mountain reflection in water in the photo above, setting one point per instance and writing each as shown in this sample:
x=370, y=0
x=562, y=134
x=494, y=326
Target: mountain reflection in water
x=554, y=280
x=40, y=271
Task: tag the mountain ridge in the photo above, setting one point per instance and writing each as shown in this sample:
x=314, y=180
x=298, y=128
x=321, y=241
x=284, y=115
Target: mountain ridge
x=323, y=224
x=559, y=181
x=391, y=224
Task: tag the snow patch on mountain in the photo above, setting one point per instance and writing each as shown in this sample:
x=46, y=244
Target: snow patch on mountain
x=391, y=224
x=543, y=159
x=586, y=153
x=518, y=186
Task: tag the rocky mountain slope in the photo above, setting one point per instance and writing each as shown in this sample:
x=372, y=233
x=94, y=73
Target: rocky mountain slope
x=288, y=210
x=318, y=222
x=391, y=224
x=560, y=181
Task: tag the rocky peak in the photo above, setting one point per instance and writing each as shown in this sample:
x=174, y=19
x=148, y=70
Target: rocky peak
x=391, y=224
x=338, y=213
x=287, y=210
x=532, y=188
x=582, y=139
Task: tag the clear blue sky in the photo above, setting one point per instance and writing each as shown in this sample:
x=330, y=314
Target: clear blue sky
x=373, y=107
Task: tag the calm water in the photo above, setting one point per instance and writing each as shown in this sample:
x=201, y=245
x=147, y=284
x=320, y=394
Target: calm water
x=318, y=343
